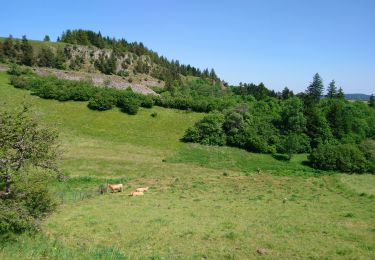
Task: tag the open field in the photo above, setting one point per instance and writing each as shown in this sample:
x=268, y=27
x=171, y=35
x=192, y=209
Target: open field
x=204, y=202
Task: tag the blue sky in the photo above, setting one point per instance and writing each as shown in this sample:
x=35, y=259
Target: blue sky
x=278, y=42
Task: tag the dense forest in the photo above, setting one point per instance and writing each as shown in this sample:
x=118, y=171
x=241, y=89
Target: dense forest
x=338, y=134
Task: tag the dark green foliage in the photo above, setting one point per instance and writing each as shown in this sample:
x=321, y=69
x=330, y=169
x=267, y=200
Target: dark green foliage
x=342, y=157
x=340, y=94
x=286, y=93
x=371, y=101
x=318, y=129
x=46, y=38
x=292, y=119
x=128, y=102
x=102, y=100
x=254, y=128
x=8, y=49
x=315, y=89
x=166, y=70
x=46, y=57
x=332, y=90
x=350, y=122
x=235, y=127
x=146, y=101
x=63, y=90
x=106, y=65
x=368, y=149
x=208, y=131
x=260, y=92
x=27, y=56
x=292, y=126
x=2, y=55
x=247, y=128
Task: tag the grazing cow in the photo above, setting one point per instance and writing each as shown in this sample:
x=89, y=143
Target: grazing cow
x=136, y=193
x=142, y=189
x=115, y=187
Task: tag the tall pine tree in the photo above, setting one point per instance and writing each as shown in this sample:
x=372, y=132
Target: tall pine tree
x=27, y=56
x=315, y=89
x=332, y=90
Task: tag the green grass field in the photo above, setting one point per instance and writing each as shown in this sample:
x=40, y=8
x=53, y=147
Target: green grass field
x=203, y=203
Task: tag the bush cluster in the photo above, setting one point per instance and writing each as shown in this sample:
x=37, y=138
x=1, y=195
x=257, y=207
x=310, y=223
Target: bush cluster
x=99, y=98
x=107, y=98
x=343, y=157
x=235, y=127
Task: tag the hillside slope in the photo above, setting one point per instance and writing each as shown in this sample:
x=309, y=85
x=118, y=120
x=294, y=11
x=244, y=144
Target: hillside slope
x=204, y=202
x=88, y=52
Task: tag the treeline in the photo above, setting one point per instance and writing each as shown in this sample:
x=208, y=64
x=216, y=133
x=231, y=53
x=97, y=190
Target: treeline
x=23, y=53
x=169, y=71
x=331, y=129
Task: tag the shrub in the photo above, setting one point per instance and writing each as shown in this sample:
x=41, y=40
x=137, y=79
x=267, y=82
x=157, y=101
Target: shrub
x=30, y=201
x=207, y=131
x=17, y=70
x=281, y=156
x=342, y=157
x=154, y=114
x=20, y=81
x=128, y=102
x=28, y=154
x=368, y=149
x=47, y=90
x=81, y=91
x=146, y=101
x=14, y=218
x=101, y=101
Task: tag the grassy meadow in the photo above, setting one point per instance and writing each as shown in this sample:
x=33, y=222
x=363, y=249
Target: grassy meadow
x=203, y=203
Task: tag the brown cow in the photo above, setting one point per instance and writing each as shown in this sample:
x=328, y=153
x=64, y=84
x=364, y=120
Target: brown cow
x=136, y=193
x=115, y=187
x=142, y=189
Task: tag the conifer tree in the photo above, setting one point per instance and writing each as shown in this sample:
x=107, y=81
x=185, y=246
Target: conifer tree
x=315, y=90
x=46, y=38
x=340, y=94
x=371, y=101
x=9, y=48
x=27, y=57
x=332, y=90
x=286, y=93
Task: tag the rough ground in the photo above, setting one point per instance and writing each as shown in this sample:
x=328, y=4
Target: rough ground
x=99, y=79
x=142, y=86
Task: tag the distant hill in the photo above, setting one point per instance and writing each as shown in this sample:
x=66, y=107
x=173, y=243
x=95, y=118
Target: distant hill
x=89, y=52
x=357, y=96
